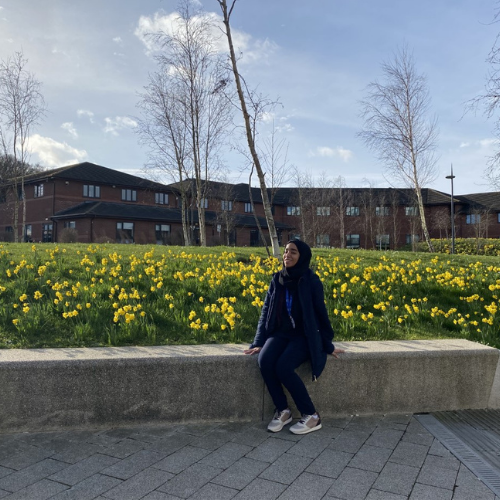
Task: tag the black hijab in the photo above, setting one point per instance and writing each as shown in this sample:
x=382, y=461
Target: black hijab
x=290, y=276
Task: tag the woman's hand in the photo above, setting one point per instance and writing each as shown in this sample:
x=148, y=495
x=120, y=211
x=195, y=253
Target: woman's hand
x=253, y=350
x=336, y=352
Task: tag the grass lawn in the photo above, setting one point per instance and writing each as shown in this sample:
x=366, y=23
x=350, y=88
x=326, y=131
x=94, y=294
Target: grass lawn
x=62, y=295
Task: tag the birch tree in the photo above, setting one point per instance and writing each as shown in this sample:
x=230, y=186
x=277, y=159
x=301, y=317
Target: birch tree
x=192, y=115
x=21, y=108
x=242, y=97
x=398, y=128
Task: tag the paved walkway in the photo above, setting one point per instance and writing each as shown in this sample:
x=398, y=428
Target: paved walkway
x=372, y=458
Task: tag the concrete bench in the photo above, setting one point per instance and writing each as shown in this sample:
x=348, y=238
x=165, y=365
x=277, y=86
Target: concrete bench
x=43, y=389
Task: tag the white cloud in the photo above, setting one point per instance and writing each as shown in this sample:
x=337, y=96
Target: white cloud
x=287, y=127
x=251, y=50
x=69, y=127
x=52, y=153
x=486, y=143
x=464, y=144
x=325, y=151
x=84, y=112
x=118, y=39
x=113, y=125
x=267, y=117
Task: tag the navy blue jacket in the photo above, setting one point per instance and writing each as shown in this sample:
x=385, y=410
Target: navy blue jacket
x=317, y=327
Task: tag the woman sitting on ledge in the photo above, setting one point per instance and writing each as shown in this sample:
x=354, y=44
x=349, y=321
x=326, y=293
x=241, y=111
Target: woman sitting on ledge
x=293, y=327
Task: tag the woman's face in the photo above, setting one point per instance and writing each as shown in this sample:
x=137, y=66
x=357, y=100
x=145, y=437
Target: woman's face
x=291, y=255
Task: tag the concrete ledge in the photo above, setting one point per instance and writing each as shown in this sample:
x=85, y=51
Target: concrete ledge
x=44, y=389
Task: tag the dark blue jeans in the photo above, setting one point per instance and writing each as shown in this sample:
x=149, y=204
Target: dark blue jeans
x=278, y=360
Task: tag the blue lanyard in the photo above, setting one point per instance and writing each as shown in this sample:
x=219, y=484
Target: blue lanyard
x=289, y=306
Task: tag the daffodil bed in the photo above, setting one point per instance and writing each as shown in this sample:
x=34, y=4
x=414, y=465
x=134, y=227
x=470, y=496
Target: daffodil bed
x=110, y=295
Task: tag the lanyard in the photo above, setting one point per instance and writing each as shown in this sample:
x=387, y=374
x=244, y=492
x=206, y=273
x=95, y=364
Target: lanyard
x=289, y=306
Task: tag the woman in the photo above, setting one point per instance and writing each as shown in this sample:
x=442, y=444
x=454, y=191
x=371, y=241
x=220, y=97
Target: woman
x=293, y=327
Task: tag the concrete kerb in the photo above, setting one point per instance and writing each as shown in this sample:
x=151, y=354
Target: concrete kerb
x=44, y=389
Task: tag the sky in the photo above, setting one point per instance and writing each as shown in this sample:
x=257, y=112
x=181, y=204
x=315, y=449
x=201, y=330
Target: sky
x=316, y=58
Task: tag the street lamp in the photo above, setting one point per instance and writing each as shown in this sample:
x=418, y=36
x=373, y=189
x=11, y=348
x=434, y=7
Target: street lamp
x=452, y=212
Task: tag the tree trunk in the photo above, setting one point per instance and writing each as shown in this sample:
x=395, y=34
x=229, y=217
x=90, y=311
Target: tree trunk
x=251, y=143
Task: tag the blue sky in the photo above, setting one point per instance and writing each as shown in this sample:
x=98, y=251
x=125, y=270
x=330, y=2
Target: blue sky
x=317, y=57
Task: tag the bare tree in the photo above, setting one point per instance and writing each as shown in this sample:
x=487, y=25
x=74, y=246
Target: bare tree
x=193, y=72
x=397, y=127
x=226, y=15
x=21, y=108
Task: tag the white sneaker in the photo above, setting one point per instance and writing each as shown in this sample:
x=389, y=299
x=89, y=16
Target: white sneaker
x=281, y=418
x=308, y=423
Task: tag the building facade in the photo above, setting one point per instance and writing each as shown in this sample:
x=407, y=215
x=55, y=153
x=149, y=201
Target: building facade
x=89, y=203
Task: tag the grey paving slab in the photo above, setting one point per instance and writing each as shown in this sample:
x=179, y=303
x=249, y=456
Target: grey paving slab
x=261, y=489
x=41, y=490
x=445, y=462
x=139, y=485
x=384, y=495
x=190, y=480
x=252, y=436
x=425, y=492
x=182, y=459
x=469, y=487
x=76, y=452
x=330, y=463
x=172, y=443
x=339, y=422
x=310, y=445
x=437, y=476
x=270, y=450
x=286, y=468
x=214, y=492
x=226, y=455
x=4, y=471
x=25, y=477
x=396, y=478
x=133, y=465
x=241, y=473
x=214, y=439
x=350, y=441
x=438, y=449
x=370, y=458
x=78, y=472
x=385, y=438
x=124, y=448
x=4, y=493
x=366, y=422
x=408, y=453
x=352, y=484
x=89, y=488
x=308, y=486
x=156, y=495
x=28, y=456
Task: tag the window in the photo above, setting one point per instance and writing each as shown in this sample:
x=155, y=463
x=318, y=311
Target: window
x=46, y=233
x=498, y=217
x=322, y=210
x=293, y=210
x=204, y=203
x=323, y=240
x=38, y=190
x=3, y=195
x=162, y=232
x=352, y=240
x=91, y=191
x=124, y=232
x=129, y=195
x=473, y=219
x=382, y=241
x=219, y=228
x=161, y=198
x=411, y=211
x=28, y=232
x=352, y=211
x=69, y=224
x=382, y=211
x=20, y=193
x=226, y=205
x=248, y=208
x=411, y=238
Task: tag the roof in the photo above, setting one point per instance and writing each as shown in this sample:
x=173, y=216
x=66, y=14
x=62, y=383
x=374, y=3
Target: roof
x=127, y=211
x=90, y=172
x=485, y=200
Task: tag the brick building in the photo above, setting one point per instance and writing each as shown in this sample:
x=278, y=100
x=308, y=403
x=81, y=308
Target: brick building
x=90, y=203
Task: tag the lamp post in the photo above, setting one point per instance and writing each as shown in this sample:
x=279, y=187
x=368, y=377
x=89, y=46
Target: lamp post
x=452, y=212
